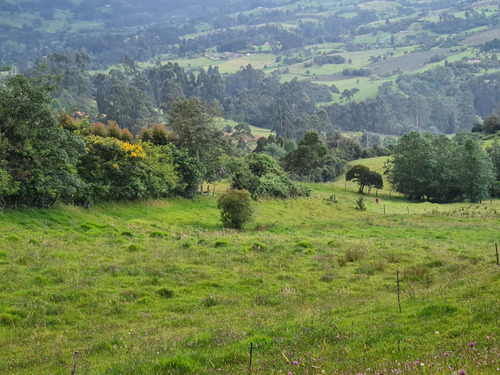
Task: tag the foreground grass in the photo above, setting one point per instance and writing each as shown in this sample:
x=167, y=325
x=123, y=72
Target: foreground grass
x=158, y=288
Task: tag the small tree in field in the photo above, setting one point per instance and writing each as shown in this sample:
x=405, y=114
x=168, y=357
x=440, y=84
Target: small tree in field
x=236, y=208
x=365, y=178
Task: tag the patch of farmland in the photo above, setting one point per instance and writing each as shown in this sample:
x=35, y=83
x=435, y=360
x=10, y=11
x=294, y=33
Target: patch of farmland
x=409, y=62
x=480, y=38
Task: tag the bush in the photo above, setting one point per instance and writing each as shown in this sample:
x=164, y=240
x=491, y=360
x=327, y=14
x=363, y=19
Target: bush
x=220, y=243
x=272, y=185
x=236, y=208
x=361, y=204
x=165, y=293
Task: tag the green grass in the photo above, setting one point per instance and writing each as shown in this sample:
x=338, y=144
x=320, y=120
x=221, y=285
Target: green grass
x=256, y=131
x=156, y=287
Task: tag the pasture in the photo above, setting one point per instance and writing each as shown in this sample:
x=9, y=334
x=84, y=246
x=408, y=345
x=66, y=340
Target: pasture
x=157, y=287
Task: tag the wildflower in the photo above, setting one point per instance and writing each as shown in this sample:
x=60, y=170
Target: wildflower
x=436, y=333
x=295, y=362
x=487, y=338
x=471, y=344
x=462, y=372
x=290, y=373
x=416, y=363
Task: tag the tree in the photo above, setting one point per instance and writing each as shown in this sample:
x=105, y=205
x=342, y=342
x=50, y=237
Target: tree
x=129, y=107
x=309, y=155
x=262, y=176
x=192, y=120
x=412, y=167
x=364, y=177
x=38, y=156
x=492, y=124
x=236, y=208
x=478, y=173
x=440, y=169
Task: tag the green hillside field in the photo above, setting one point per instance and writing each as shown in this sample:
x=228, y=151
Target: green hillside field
x=157, y=287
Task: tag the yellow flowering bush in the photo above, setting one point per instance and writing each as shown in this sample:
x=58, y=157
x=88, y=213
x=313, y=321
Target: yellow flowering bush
x=119, y=170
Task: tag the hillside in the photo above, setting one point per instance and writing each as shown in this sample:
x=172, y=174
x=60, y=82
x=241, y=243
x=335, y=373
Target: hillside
x=158, y=287
x=385, y=37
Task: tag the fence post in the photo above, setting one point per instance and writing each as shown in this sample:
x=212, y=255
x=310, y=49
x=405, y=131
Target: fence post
x=75, y=358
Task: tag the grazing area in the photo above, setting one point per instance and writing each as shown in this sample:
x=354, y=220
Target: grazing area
x=296, y=187
x=158, y=287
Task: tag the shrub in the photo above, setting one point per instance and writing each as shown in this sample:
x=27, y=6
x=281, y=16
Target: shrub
x=13, y=237
x=7, y=319
x=273, y=185
x=298, y=189
x=257, y=246
x=352, y=255
x=210, y=300
x=236, y=208
x=220, y=243
x=305, y=245
x=158, y=234
x=361, y=204
x=165, y=293
x=133, y=248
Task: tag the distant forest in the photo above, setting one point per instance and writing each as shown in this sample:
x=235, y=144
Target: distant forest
x=75, y=39
x=441, y=100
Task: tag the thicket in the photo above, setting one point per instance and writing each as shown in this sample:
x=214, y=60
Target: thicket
x=44, y=157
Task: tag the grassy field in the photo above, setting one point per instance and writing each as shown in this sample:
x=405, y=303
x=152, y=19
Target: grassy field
x=256, y=131
x=157, y=287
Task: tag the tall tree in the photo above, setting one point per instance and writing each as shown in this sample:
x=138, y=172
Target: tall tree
x=478, y=172
x=411, y=167
x=38, y=155
x=193, y=122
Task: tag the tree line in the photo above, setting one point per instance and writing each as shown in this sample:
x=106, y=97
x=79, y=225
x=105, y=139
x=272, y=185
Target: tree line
x=443, y=170
x=442, y=100
x=45, y=158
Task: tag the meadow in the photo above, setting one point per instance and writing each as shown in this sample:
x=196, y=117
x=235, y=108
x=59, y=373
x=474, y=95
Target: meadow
x=158, y=287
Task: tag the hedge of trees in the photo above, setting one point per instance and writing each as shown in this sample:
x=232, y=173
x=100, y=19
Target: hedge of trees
x=44, y=157
x=439, y=169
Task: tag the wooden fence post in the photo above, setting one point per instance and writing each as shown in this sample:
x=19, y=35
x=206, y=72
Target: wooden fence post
x=75, y=358
x=251, y=354
x=496, y=249
x=399, y=298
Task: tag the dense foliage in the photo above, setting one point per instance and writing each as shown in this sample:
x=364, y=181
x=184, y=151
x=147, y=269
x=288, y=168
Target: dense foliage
x=438, y=169
x=365, y=178
x=43, y=158
x=38, y=159
x=236, y=208
x=262, y=176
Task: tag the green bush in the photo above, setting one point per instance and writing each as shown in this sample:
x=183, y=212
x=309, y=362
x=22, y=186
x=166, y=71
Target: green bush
x=220, y=243
x=273, y=185
x=165, y=293
x=158, y=234
x=298, y=189
x=236, y=208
